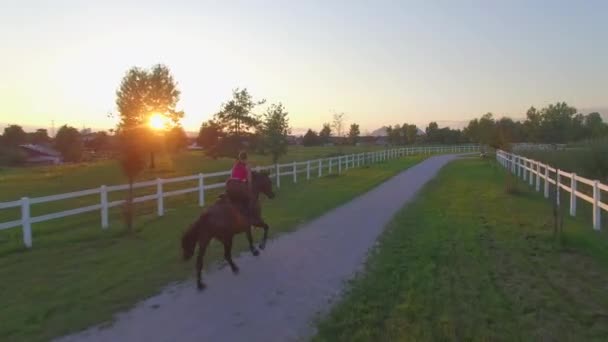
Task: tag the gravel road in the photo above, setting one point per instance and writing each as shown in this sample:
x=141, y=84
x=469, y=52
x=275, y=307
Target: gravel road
x=278, y=295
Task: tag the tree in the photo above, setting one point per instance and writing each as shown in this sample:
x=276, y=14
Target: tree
x=209, y=134
x=237, y=114
x=594, y=125
x=353, y=133
x=144, y=94
x=14, y=135
x=411, y=134
x=432, y=132
x=69, y=143
x=325, y=133
x=100, y=141
x=41, y=136
x=132, y=160
x=310, y=138
x=338, y=124
x=176, y=139
x=274, y=131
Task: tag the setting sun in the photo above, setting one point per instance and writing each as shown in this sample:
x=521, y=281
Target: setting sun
x=158, y=121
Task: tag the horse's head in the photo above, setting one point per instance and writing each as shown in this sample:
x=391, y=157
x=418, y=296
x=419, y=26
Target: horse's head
x=262, y=183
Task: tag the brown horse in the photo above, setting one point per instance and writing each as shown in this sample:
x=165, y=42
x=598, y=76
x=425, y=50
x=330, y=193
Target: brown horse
x=222, y=221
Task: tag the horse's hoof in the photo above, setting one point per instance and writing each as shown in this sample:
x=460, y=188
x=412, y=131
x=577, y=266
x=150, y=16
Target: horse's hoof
x=255, y=252
x=201, y=286
x=235, y=270
x=262, y=246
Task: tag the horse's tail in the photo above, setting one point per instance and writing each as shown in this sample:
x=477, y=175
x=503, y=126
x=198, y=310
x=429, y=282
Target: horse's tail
x=190, y=237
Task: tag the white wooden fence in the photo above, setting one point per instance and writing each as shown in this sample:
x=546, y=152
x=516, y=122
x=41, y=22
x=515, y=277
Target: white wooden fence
x=533, y=171
x=321, y=166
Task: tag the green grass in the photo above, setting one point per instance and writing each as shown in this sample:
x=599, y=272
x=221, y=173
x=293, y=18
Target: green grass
x=77, y=275
x=468, y=262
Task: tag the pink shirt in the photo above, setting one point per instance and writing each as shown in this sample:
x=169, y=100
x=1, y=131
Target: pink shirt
x=239, y=171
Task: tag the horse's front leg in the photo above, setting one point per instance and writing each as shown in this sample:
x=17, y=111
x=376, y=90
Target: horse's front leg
x=260, y=223
x=252, y=248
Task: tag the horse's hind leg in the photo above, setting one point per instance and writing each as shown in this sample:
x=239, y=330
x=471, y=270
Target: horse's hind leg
x=227, y=241
x=203, y=242
x=251, y=246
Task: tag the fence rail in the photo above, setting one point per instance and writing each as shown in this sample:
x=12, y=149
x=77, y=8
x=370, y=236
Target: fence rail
x=321, y=166
x=577, y=187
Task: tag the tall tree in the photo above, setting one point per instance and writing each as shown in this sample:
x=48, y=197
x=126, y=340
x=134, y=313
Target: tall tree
x=237, y=114
x=209, y=135
x=338, y=124
x=14, y=135
x=132, y=160
x=594, y=125
x=411, y=134
x=69, y=143
x=176, y=139
x=353, y=133
x=325, y=133
x=274, y=131
x=146, y=94
x=432, y=133
x=310, y=138
x=41, y=136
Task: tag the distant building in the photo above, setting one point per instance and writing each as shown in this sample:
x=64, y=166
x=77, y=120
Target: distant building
x=40, y=155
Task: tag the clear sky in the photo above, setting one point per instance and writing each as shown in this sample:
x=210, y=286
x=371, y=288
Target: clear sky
x=381, y=62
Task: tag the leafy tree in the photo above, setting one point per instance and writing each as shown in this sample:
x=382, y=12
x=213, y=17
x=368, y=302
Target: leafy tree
x=325, y=133
x=144, y=93
x=176, y=139
x=274, y=131
x=237, y=114
x=14, y=135
x=411, y=134
x=432, y=133
x=353, y=133
x=41, y=136
x=100, y=141
x=310, y=138
x=594, y=125
x=69, y=143
x=209, y=134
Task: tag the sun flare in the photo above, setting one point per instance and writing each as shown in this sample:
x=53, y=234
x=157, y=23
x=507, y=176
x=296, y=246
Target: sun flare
x=158, y=121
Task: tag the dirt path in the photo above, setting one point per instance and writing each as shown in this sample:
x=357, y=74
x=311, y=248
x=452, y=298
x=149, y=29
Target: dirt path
x=276, y=296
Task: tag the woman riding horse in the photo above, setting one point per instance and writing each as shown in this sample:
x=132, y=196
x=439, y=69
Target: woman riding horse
x=238, y=186
x=223, y=220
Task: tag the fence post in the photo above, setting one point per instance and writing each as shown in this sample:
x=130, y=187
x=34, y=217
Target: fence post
x=103, y=192
x=596, y=206
x=537, y=176
x=346, y=161
x=513, y=164
x=557, y=189
x=524, y=170
x=518, y=166
x=573, y=195
x=308, y=170
x=201, y=189
x=547, y=181
x=330, y=165
x=531, y=174
x=25, y=222
x=278, y=173
x=353, y=156
x=320, y=167
x=340, y=165
x=159, y=195
x=295, y=173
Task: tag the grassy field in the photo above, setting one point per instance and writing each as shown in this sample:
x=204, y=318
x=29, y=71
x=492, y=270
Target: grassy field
x=468, y=262
x=77, y=275
x=49, y=180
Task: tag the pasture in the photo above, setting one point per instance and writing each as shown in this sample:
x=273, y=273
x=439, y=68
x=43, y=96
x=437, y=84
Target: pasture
x=78, y=275
x=467, y=261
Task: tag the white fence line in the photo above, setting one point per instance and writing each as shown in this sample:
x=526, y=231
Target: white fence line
x=324, y=166
x=533, y=171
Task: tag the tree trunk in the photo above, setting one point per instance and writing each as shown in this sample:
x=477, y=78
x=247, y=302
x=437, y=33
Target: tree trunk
x=129, y=208
x=152, y=163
